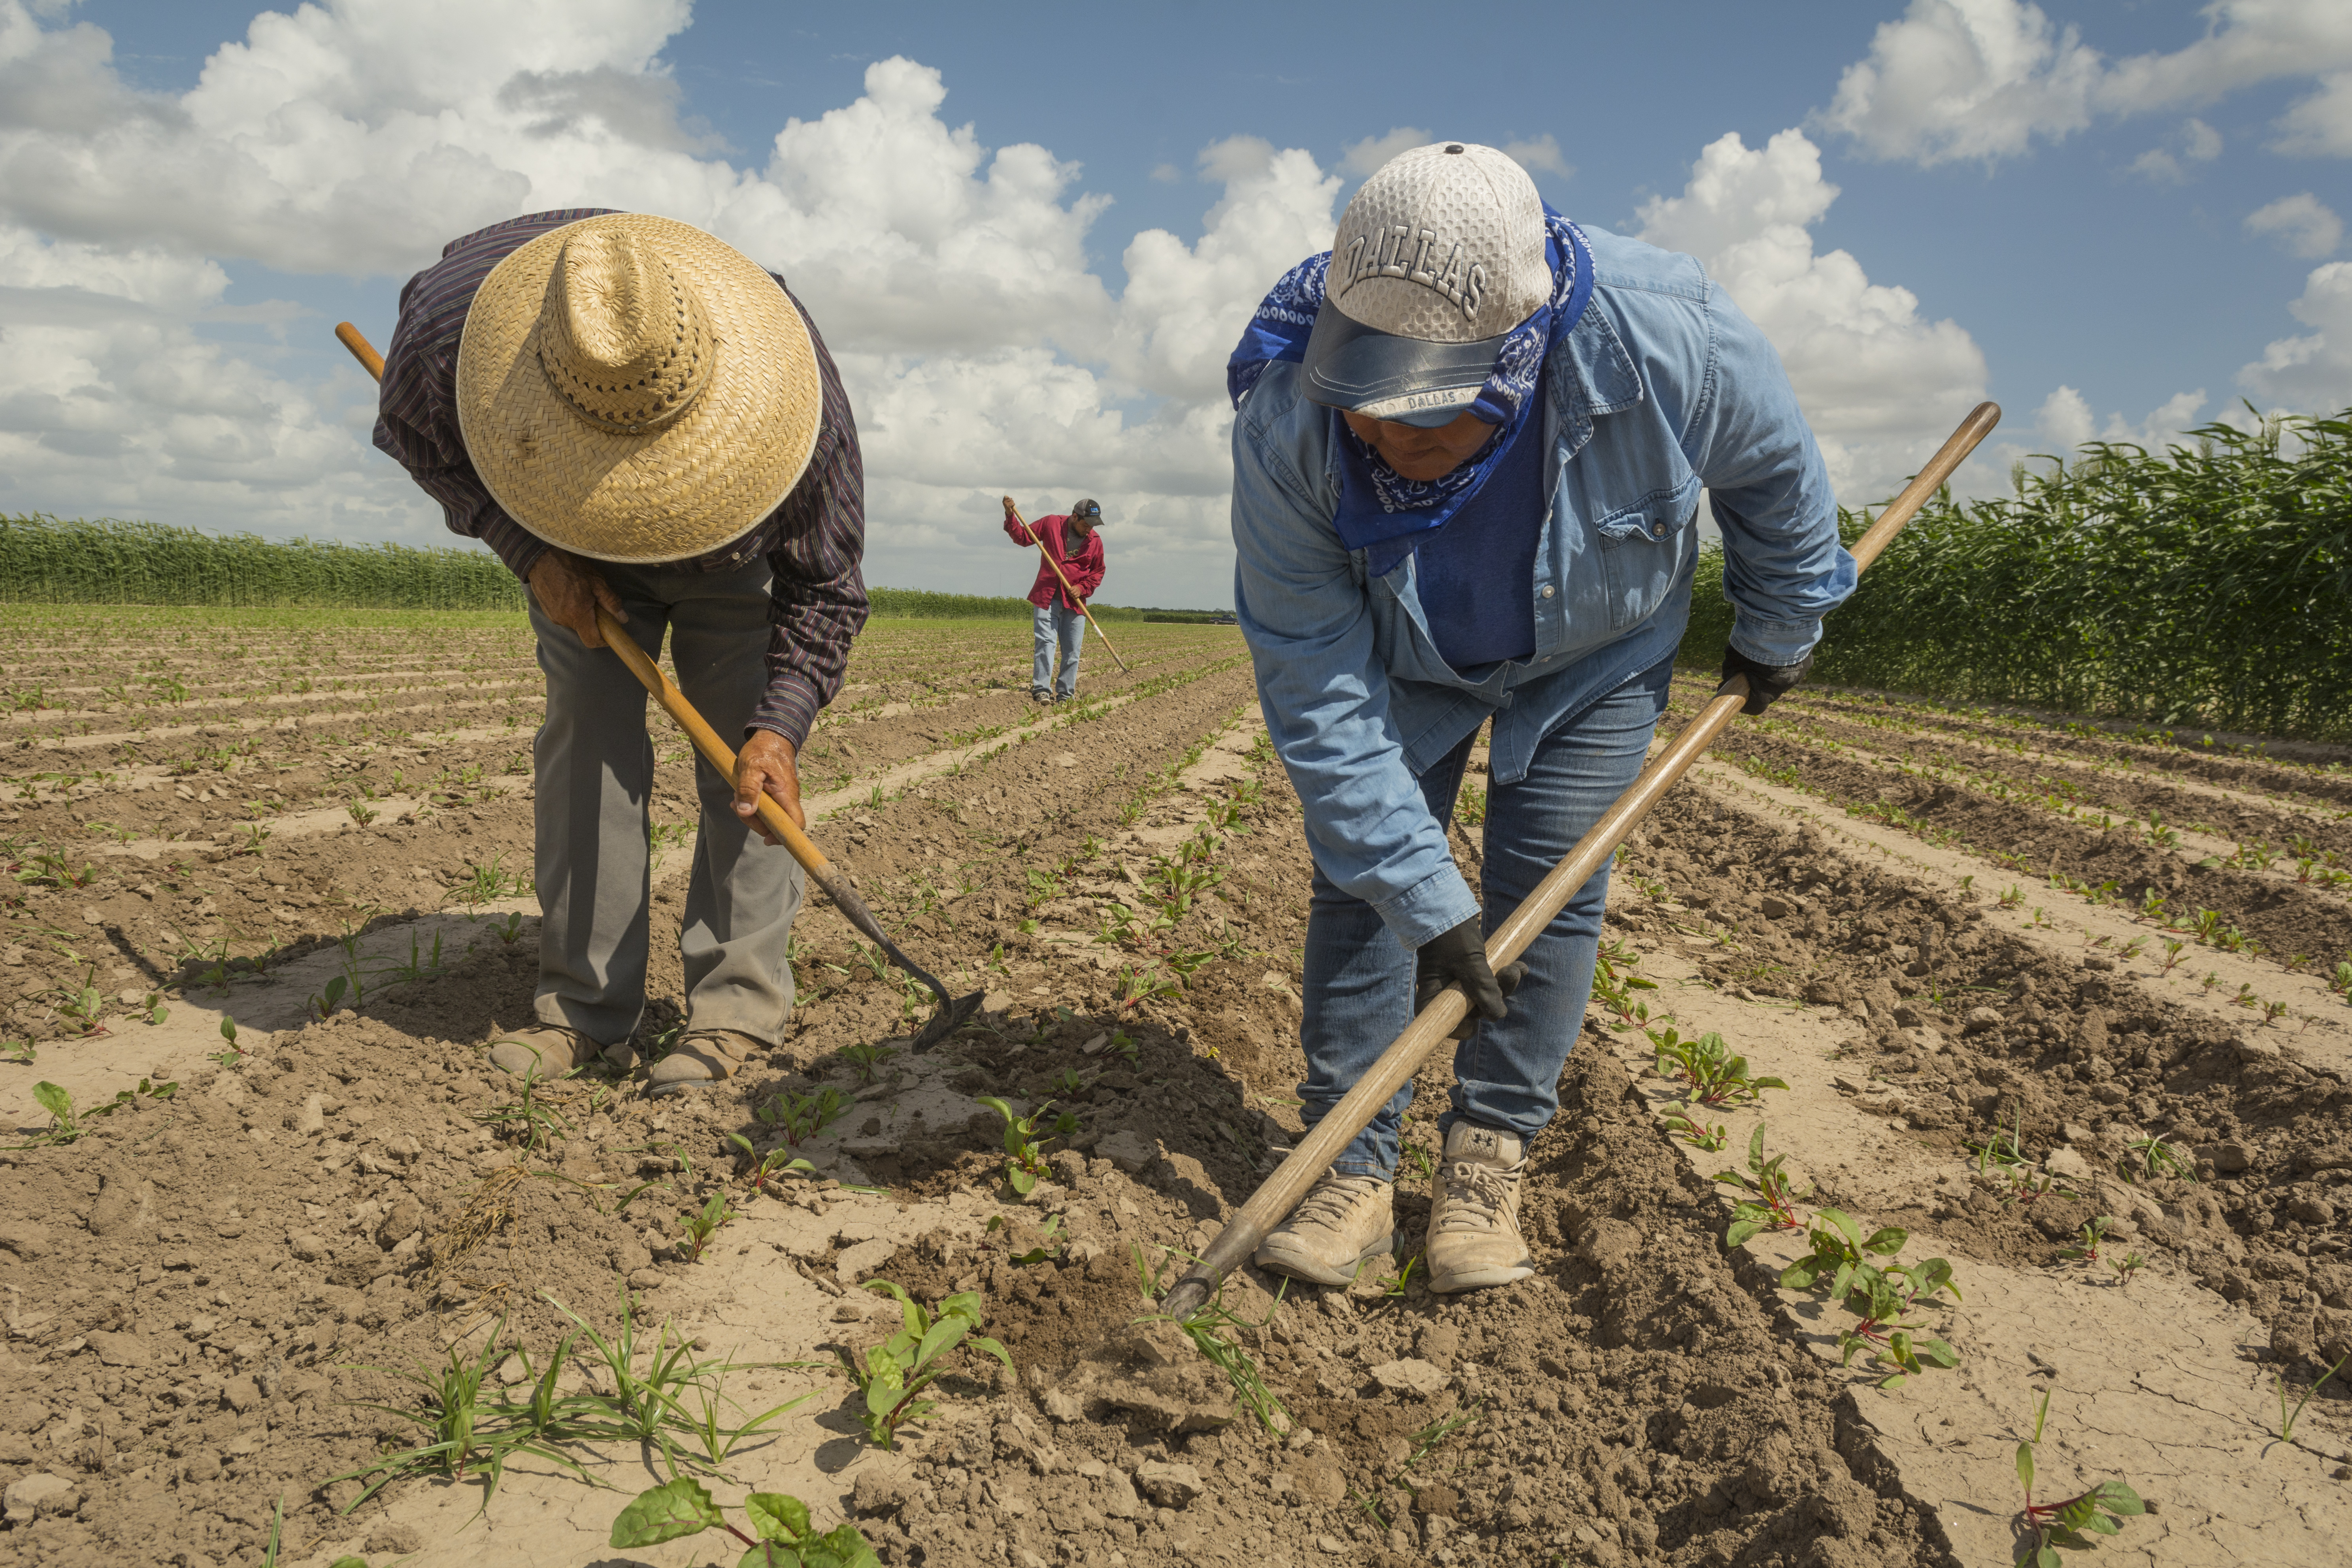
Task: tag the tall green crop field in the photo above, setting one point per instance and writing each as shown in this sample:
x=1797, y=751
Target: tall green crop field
x=2208, y=585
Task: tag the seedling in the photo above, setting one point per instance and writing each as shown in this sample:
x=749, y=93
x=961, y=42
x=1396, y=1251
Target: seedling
x=2287, y=1418
x=865, y=1060
x=1025, y=1160
x=2101, y=1510
x=63, y=1126
x=2127, y=1267
x=323, y=1003
x=892, y=1375
x=798, y=1118
x=507, y=929
x=1879, y=1295
x=85, y=1004
x=1681, y=1122
x=782, y=1535
x=699, y=1228
x=1616, y=993
x=2087, y=1248
x=1713, y=1076
x=1070, y=1081
x=538, y=1124
x=1774, y=1206
x=778, y=1163
x=1208, y=1330
x=235, y=1053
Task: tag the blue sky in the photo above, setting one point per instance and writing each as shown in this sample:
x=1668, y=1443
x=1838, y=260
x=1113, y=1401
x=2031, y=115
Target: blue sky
x=2064, y=192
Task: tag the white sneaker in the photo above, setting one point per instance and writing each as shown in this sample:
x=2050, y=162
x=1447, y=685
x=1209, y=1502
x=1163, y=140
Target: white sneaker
x=1340, y=1225
x=1473, y=1238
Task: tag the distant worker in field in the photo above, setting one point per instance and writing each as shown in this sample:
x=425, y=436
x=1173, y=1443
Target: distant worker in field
x=1072, y=541
x=1467, y=460
x=636, y=415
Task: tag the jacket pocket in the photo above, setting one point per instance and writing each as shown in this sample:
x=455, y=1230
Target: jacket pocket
x=1643, y=548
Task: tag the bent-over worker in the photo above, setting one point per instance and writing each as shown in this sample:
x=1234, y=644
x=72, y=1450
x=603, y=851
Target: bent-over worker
x=1467, y=460
x=1070, y=538
x=633, y=414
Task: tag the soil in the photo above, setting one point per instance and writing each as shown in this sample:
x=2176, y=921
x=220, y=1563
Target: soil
x=201, y=1290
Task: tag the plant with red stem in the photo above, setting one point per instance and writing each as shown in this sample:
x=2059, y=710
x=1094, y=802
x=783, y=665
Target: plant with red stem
x=1774, y=1206
x=2101, y=1510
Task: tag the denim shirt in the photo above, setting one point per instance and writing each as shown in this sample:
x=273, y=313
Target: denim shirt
x=1664, y=388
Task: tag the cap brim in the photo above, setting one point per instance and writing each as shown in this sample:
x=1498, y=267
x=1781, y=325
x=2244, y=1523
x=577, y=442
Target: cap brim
x=1411, y=380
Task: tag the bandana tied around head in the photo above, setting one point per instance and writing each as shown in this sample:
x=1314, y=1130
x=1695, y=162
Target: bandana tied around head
x=1380, y=510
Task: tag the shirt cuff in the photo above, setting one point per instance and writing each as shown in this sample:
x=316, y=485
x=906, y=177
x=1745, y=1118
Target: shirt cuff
x=1436, y=904
x=514, y=544
x=1775, y=642
x=789, y=708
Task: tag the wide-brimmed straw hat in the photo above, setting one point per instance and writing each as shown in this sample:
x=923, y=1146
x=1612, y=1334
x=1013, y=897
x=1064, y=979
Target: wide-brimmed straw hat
x=633, y=390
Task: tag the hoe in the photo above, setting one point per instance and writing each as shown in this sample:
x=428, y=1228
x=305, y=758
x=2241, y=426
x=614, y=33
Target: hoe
x=1272, y=1202
x=953, y=1011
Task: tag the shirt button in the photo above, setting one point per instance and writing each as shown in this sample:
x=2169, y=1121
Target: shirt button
x=1546, y=593
x=1657, y=530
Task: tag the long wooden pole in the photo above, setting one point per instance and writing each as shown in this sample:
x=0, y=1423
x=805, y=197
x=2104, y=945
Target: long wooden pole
x=1280, y=1192
x=1048, y=557
x=952, y=1010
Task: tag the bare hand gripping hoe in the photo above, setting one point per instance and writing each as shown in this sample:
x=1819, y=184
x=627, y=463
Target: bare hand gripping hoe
x=1272, y=1203
x=953, y=1011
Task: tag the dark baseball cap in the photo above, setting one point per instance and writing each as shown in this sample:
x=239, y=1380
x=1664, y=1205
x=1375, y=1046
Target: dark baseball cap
x=1088, y=510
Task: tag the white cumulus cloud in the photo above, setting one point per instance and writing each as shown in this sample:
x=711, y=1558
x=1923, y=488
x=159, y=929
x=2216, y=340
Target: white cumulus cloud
x=1983, y=80
x=2312, y=372
x=2066, y=422
x=1881, y=384
x=2301, y=224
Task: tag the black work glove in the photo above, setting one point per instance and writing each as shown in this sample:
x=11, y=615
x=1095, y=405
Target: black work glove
x=1765, y=682
x=1460, y=956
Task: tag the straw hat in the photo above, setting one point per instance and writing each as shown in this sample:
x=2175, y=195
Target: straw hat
x=633, y=390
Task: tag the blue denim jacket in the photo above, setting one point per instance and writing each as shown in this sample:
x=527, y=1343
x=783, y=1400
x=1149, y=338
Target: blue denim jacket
x=1664, y=388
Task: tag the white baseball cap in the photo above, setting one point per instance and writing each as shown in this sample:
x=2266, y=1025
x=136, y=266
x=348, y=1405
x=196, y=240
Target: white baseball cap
x=1438, y=258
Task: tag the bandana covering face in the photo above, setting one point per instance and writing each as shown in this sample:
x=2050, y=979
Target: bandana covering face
x=1380, y=510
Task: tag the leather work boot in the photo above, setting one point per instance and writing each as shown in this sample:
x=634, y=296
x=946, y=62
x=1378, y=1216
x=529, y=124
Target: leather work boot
x=551, y=1050
x=1340, y=1225
x=1474, y=1212
x=702, y=1058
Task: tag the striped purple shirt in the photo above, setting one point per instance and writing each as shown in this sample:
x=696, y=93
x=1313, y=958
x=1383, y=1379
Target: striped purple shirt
x=814, y=541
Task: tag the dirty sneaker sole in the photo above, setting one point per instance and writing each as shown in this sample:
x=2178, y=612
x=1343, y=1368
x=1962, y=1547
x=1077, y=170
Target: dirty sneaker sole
x=1272, y=1254
x=1448, y=1284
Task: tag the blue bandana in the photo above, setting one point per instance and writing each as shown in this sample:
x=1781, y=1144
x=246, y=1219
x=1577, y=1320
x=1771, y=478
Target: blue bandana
x=1380, y=510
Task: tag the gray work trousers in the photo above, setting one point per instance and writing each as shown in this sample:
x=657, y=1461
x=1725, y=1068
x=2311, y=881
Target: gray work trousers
x=596, y=771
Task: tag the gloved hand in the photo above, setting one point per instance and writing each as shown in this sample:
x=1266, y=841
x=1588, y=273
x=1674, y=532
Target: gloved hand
x=1460, y=955
x=1765, y=682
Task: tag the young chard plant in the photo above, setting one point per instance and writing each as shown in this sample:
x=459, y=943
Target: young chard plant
x=1879, y=1295
x=1773, y=1202
x=781, y=1534
x=1024, y=1158
x=2101, y=1510
x=893, y=1375
x=1708, y=1070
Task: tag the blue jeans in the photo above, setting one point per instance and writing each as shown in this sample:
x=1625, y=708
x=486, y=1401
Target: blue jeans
x=1056, y=624
x=1359, y=983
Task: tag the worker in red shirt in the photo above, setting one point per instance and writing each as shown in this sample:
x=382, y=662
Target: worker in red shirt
x=1071, y=540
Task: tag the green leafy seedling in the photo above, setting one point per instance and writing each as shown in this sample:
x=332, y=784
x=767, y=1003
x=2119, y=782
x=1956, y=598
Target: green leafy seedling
x=1024, y=1160
x=1683, y=1122
x=890, y=1378
x=2101, y=1510
x=2287, y=1418
x=1708, y=1070
x=781, y=1534
x=2087, y=1248
x=1772, y=1207
x=778, y=1163
x=699, y=1228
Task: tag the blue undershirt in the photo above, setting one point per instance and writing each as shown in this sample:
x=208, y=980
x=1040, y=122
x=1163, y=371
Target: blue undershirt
x=1475, y=574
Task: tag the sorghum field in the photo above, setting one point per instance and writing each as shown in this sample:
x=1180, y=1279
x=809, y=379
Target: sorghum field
x=2059, y=1009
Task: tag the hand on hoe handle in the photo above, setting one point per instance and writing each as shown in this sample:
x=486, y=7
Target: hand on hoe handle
x=1765, y=682
x=768, y=762
x=1460, y=955
x=571, y=591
